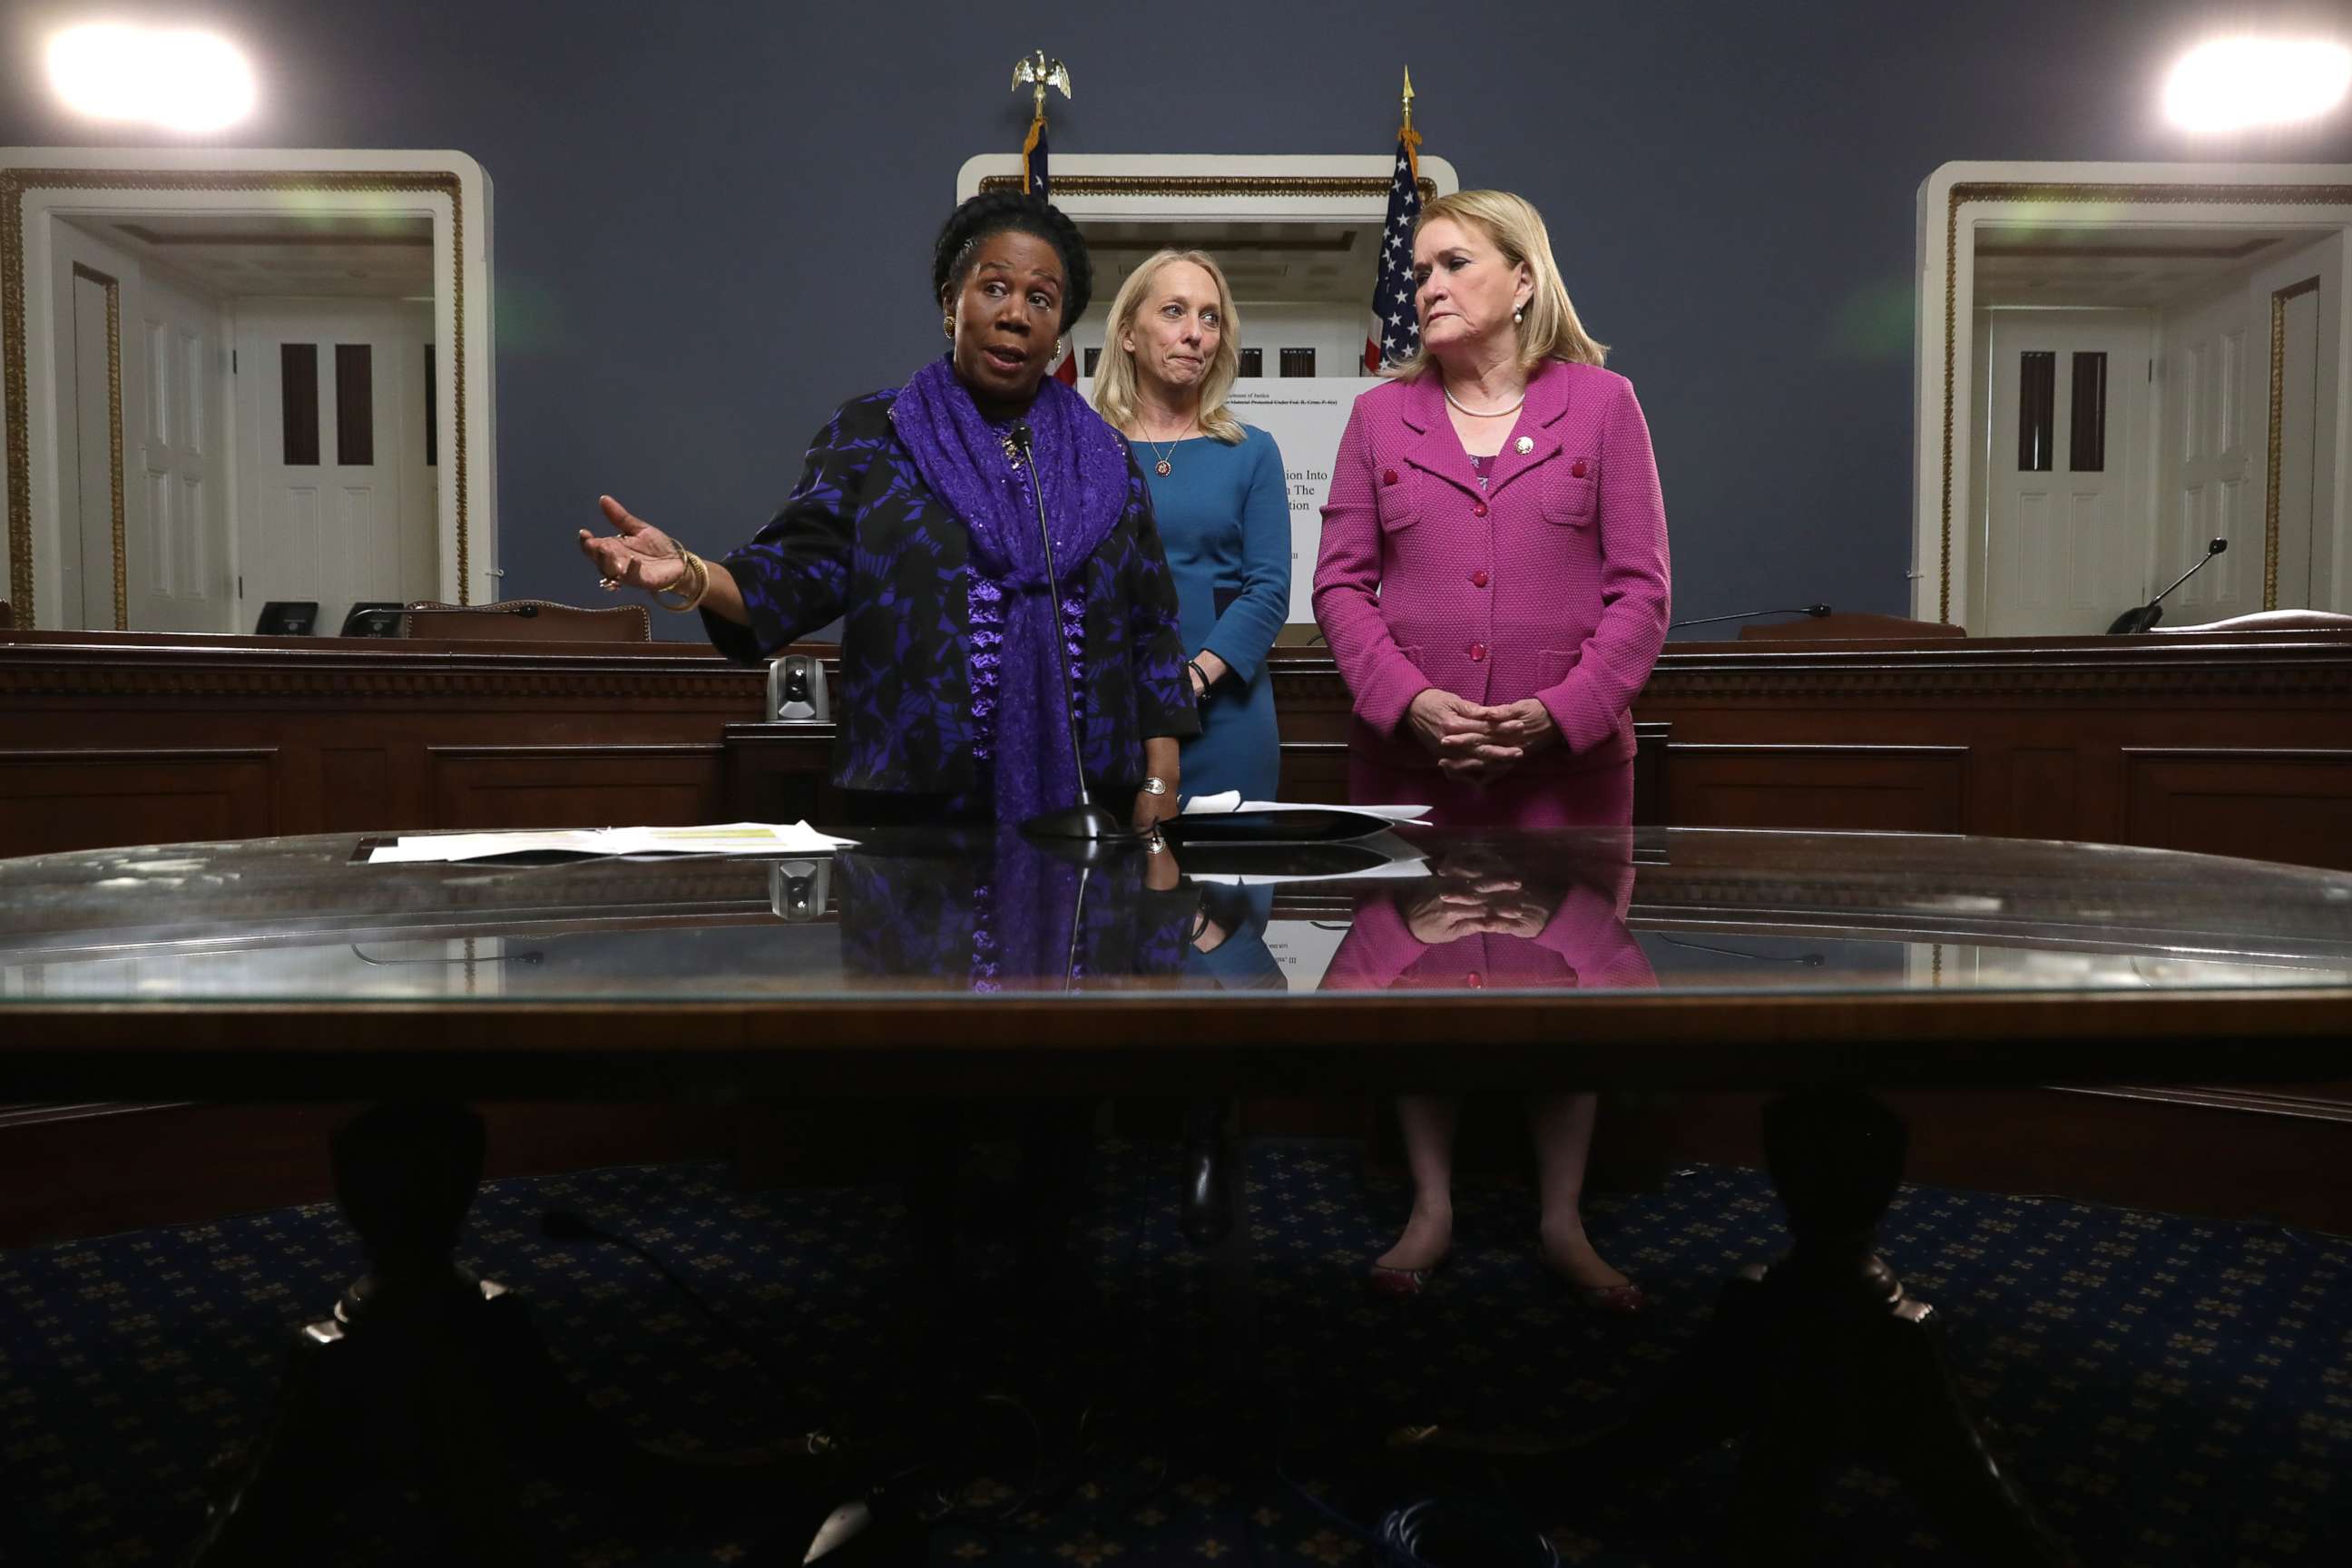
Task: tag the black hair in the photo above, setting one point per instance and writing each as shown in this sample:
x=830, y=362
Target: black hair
x=1009, y=212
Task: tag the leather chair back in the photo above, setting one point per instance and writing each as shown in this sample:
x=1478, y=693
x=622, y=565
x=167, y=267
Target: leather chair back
x=527, y=620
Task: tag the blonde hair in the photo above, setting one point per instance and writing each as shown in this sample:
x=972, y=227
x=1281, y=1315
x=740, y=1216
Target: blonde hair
x=1116, y=398
x=1511, y=224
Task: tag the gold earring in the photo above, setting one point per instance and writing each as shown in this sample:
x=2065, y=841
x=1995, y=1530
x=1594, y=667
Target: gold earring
x=946, y=325
x=1061, y=347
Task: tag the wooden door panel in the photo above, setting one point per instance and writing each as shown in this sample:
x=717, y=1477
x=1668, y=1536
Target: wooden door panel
x=94, y=799
x=492, y=787
x=1911, y=789
x=2261, y=804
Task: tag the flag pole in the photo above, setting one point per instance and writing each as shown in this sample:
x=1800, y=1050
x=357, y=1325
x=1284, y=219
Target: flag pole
x=1407, y=136
x=1394, y=335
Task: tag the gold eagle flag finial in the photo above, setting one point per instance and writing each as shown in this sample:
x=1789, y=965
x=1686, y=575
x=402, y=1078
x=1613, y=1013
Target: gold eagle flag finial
x=1035, y=71
x=1407, y=137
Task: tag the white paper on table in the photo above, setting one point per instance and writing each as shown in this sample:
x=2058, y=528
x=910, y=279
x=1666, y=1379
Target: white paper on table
x=1230, y=801
x=716, y=838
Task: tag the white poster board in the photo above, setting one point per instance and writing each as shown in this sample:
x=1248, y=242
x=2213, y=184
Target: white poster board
x=1306, y=415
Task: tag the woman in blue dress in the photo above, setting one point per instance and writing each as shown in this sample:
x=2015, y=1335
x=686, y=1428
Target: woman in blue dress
x=1170, y=352
x=1170, y=356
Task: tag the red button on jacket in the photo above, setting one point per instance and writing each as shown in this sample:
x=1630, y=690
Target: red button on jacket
x=1478, y=653
x=1479, y=509
x=1388, y=476
x=1478, y=578
x=1575, y=469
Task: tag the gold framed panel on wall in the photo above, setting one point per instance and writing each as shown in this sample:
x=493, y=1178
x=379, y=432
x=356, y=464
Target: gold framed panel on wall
x=2113, y=194
x=1370, y=186
x=17, y=183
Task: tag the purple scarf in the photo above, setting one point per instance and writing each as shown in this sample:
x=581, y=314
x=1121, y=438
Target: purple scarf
x=1082, y=467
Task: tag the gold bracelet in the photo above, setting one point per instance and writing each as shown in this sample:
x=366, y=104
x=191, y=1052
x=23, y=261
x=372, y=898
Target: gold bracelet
x=697, y=570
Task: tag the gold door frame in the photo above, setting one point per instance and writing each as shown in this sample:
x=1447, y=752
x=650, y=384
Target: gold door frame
x=2277, y=442
x=2078, y=195
x=17, y=182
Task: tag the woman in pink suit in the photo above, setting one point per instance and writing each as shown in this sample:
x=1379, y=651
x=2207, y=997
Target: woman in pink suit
x=1493, y=582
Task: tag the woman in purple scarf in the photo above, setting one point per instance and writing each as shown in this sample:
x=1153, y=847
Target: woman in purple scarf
x=918, y=523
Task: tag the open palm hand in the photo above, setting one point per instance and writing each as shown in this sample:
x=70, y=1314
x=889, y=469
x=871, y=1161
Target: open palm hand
x=636, y=554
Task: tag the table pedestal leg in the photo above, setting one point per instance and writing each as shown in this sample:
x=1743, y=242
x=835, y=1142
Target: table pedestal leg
x=1217, y=1220
x=428, y=1381
x=1821, y=1355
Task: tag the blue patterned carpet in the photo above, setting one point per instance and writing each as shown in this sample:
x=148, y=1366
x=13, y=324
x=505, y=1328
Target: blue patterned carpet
x=2171, y=1392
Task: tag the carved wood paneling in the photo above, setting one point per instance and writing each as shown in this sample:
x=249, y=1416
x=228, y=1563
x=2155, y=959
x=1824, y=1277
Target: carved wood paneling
x=2046, y=724
x=353, y=726
x=493, y=787
x=2243, y=801
x=80, y=799
x=2043, y=785
x=356, y=791
x=1908, y=789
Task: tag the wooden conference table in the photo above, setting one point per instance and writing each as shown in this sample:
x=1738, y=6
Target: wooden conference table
x=1820, y=966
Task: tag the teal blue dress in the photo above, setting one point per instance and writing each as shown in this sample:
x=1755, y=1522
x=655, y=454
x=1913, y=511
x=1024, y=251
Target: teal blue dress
x=1224, y=519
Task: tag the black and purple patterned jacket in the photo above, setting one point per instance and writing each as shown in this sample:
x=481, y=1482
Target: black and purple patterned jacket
x=863, y=538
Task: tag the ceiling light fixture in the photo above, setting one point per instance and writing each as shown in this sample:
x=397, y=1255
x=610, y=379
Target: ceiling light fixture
x=2237, y=84
x=177, y=78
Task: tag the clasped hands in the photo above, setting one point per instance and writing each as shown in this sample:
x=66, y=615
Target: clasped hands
x=1474, y=743
x=1479, y=898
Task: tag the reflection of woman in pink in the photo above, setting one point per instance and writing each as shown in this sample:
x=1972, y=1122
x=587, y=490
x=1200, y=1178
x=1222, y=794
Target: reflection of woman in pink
x=1481, y=924
x=1493, y=583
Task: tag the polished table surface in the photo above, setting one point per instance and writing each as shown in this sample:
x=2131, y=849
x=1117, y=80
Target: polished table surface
x=290, y=968
x=929, y=963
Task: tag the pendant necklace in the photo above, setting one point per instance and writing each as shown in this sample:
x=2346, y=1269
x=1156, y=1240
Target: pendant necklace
x=1164, y=467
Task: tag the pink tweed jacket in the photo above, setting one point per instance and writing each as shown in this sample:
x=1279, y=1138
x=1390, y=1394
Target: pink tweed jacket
x=1552, y=583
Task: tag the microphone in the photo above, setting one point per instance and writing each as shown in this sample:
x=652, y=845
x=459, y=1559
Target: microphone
x=1084, y=819
x=2141, y=618
x=1816, y=611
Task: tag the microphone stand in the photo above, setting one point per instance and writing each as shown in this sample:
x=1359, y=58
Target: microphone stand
x=1084, y=820
x=2142, y=617
x=1816, y=611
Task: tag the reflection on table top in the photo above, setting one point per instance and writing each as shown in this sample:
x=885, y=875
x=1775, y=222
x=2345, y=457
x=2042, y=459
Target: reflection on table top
x=306, y=920
x=1492, y=940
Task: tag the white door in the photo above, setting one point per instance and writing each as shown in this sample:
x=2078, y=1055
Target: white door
x=323, y=391
x=2205, y=465
x=178, y=556
x=2067, y=519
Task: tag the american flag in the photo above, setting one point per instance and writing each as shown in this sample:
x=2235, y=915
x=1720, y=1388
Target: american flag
x=1034, y=180
x=1396, y=326
x=1033, y=161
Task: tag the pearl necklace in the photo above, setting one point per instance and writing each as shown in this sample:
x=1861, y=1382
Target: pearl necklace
x=1484, y=413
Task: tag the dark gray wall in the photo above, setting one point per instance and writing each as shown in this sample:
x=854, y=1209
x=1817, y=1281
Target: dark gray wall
x=713, y=223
